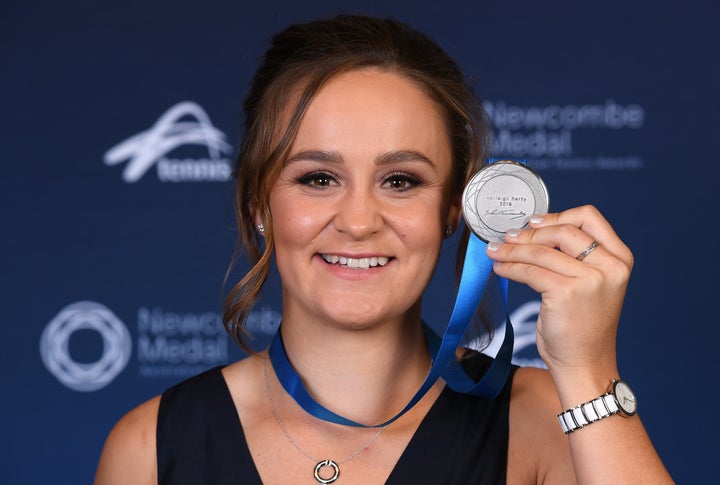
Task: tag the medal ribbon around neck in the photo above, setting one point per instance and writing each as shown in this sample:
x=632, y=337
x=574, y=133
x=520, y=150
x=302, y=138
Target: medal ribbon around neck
x=476, y=272
x=477, y=269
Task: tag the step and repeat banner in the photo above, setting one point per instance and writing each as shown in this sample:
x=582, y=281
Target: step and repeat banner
x=121, y=120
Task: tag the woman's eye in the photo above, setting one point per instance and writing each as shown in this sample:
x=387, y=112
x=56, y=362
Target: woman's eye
x=401, y=182
x=317, y=179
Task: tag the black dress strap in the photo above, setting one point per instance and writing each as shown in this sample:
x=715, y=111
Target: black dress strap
x=199, y=436
x=462, y=440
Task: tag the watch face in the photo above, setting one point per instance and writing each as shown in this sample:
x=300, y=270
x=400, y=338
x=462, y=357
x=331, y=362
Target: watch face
x=625, y=398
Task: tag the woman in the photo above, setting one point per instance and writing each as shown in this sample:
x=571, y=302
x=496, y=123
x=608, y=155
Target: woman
x=360, y=135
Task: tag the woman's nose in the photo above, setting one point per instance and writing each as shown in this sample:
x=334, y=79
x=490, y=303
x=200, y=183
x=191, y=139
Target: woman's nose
x=359, y=214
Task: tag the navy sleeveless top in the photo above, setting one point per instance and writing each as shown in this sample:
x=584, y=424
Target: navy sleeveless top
x=462, y=439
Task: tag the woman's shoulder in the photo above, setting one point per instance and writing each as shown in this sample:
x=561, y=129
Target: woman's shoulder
x=534, y=399
x=536, y=442
x=129, y=452
x=532, y=383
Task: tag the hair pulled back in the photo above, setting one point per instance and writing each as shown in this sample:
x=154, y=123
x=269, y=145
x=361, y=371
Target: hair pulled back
x=300, y=61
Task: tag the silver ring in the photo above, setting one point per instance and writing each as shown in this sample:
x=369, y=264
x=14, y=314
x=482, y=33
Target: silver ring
x=587, y=250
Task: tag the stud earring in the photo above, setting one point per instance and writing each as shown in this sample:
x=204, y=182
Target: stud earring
x=261, y=228
x=448, y=231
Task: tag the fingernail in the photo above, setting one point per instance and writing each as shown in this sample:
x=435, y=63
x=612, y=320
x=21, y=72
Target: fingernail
x=536, y=218
x=512, y=233
x=493, y=246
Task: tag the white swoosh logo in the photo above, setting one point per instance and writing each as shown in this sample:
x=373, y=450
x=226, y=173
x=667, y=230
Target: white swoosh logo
x=524, y=319
x=143, y=150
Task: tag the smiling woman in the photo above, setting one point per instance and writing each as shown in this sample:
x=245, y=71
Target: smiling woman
x=360, y=136
x=368, y=176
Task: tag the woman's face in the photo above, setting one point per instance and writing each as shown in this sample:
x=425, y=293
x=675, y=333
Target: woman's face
x=361, y=205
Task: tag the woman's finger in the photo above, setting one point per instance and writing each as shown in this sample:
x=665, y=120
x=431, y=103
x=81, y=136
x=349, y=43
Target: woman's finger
x=590, y=221
x=573, y=245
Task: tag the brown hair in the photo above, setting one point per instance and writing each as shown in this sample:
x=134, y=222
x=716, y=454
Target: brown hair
x=300, y=60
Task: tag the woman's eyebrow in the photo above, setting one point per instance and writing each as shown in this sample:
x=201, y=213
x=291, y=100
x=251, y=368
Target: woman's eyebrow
x=315, y=156
x=399, y=156
x=387, y=158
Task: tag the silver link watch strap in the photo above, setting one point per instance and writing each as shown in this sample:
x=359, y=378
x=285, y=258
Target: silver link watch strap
x=588, y=412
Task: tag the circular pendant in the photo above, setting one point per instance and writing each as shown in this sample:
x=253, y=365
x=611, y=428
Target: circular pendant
x=323, y=464
x=502, y=196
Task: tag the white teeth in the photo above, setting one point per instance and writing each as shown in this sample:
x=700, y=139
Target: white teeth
x=356, y=263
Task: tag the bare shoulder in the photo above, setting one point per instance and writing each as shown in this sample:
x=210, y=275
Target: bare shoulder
x=129, y=454
x=244, y=380
x=538, y=451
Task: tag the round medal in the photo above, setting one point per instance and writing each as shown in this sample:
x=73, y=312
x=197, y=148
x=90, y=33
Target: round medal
x=502, y=196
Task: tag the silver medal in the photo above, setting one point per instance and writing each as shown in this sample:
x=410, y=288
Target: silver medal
x=502, y=196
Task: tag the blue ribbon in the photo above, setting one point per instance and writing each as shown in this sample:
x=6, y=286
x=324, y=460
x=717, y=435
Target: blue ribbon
x=477, y=269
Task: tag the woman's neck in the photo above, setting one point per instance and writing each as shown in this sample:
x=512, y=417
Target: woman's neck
x=367, y=375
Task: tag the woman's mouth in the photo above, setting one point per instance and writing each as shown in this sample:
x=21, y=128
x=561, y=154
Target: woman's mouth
x=356, y=263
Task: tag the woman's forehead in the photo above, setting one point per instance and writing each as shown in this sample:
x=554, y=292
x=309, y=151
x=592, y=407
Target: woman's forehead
x=376, y=106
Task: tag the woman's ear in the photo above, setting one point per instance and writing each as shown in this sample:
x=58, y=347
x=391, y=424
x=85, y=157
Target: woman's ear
x=453, y=217
x=259, y=225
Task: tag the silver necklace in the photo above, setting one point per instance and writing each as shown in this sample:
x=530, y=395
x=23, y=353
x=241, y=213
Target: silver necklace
x=334, y=466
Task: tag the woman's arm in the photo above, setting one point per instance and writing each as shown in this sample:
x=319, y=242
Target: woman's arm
x=576, y=337
x=129, y=454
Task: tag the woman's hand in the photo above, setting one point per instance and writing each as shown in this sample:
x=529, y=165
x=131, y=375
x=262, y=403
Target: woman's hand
x=581, y=300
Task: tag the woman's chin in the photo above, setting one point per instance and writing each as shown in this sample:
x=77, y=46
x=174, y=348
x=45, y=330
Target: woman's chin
x=357, y=317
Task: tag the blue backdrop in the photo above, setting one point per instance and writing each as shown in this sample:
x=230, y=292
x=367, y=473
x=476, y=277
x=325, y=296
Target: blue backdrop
x=117, y=225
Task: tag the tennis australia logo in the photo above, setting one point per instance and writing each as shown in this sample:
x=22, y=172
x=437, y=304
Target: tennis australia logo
x=181, y=126
x=85, y=376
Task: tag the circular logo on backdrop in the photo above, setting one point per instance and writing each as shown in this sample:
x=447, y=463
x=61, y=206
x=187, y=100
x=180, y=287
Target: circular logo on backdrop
x=83, y=376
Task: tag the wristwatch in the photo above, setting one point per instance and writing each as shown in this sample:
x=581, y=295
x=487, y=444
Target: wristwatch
x=619, y=400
